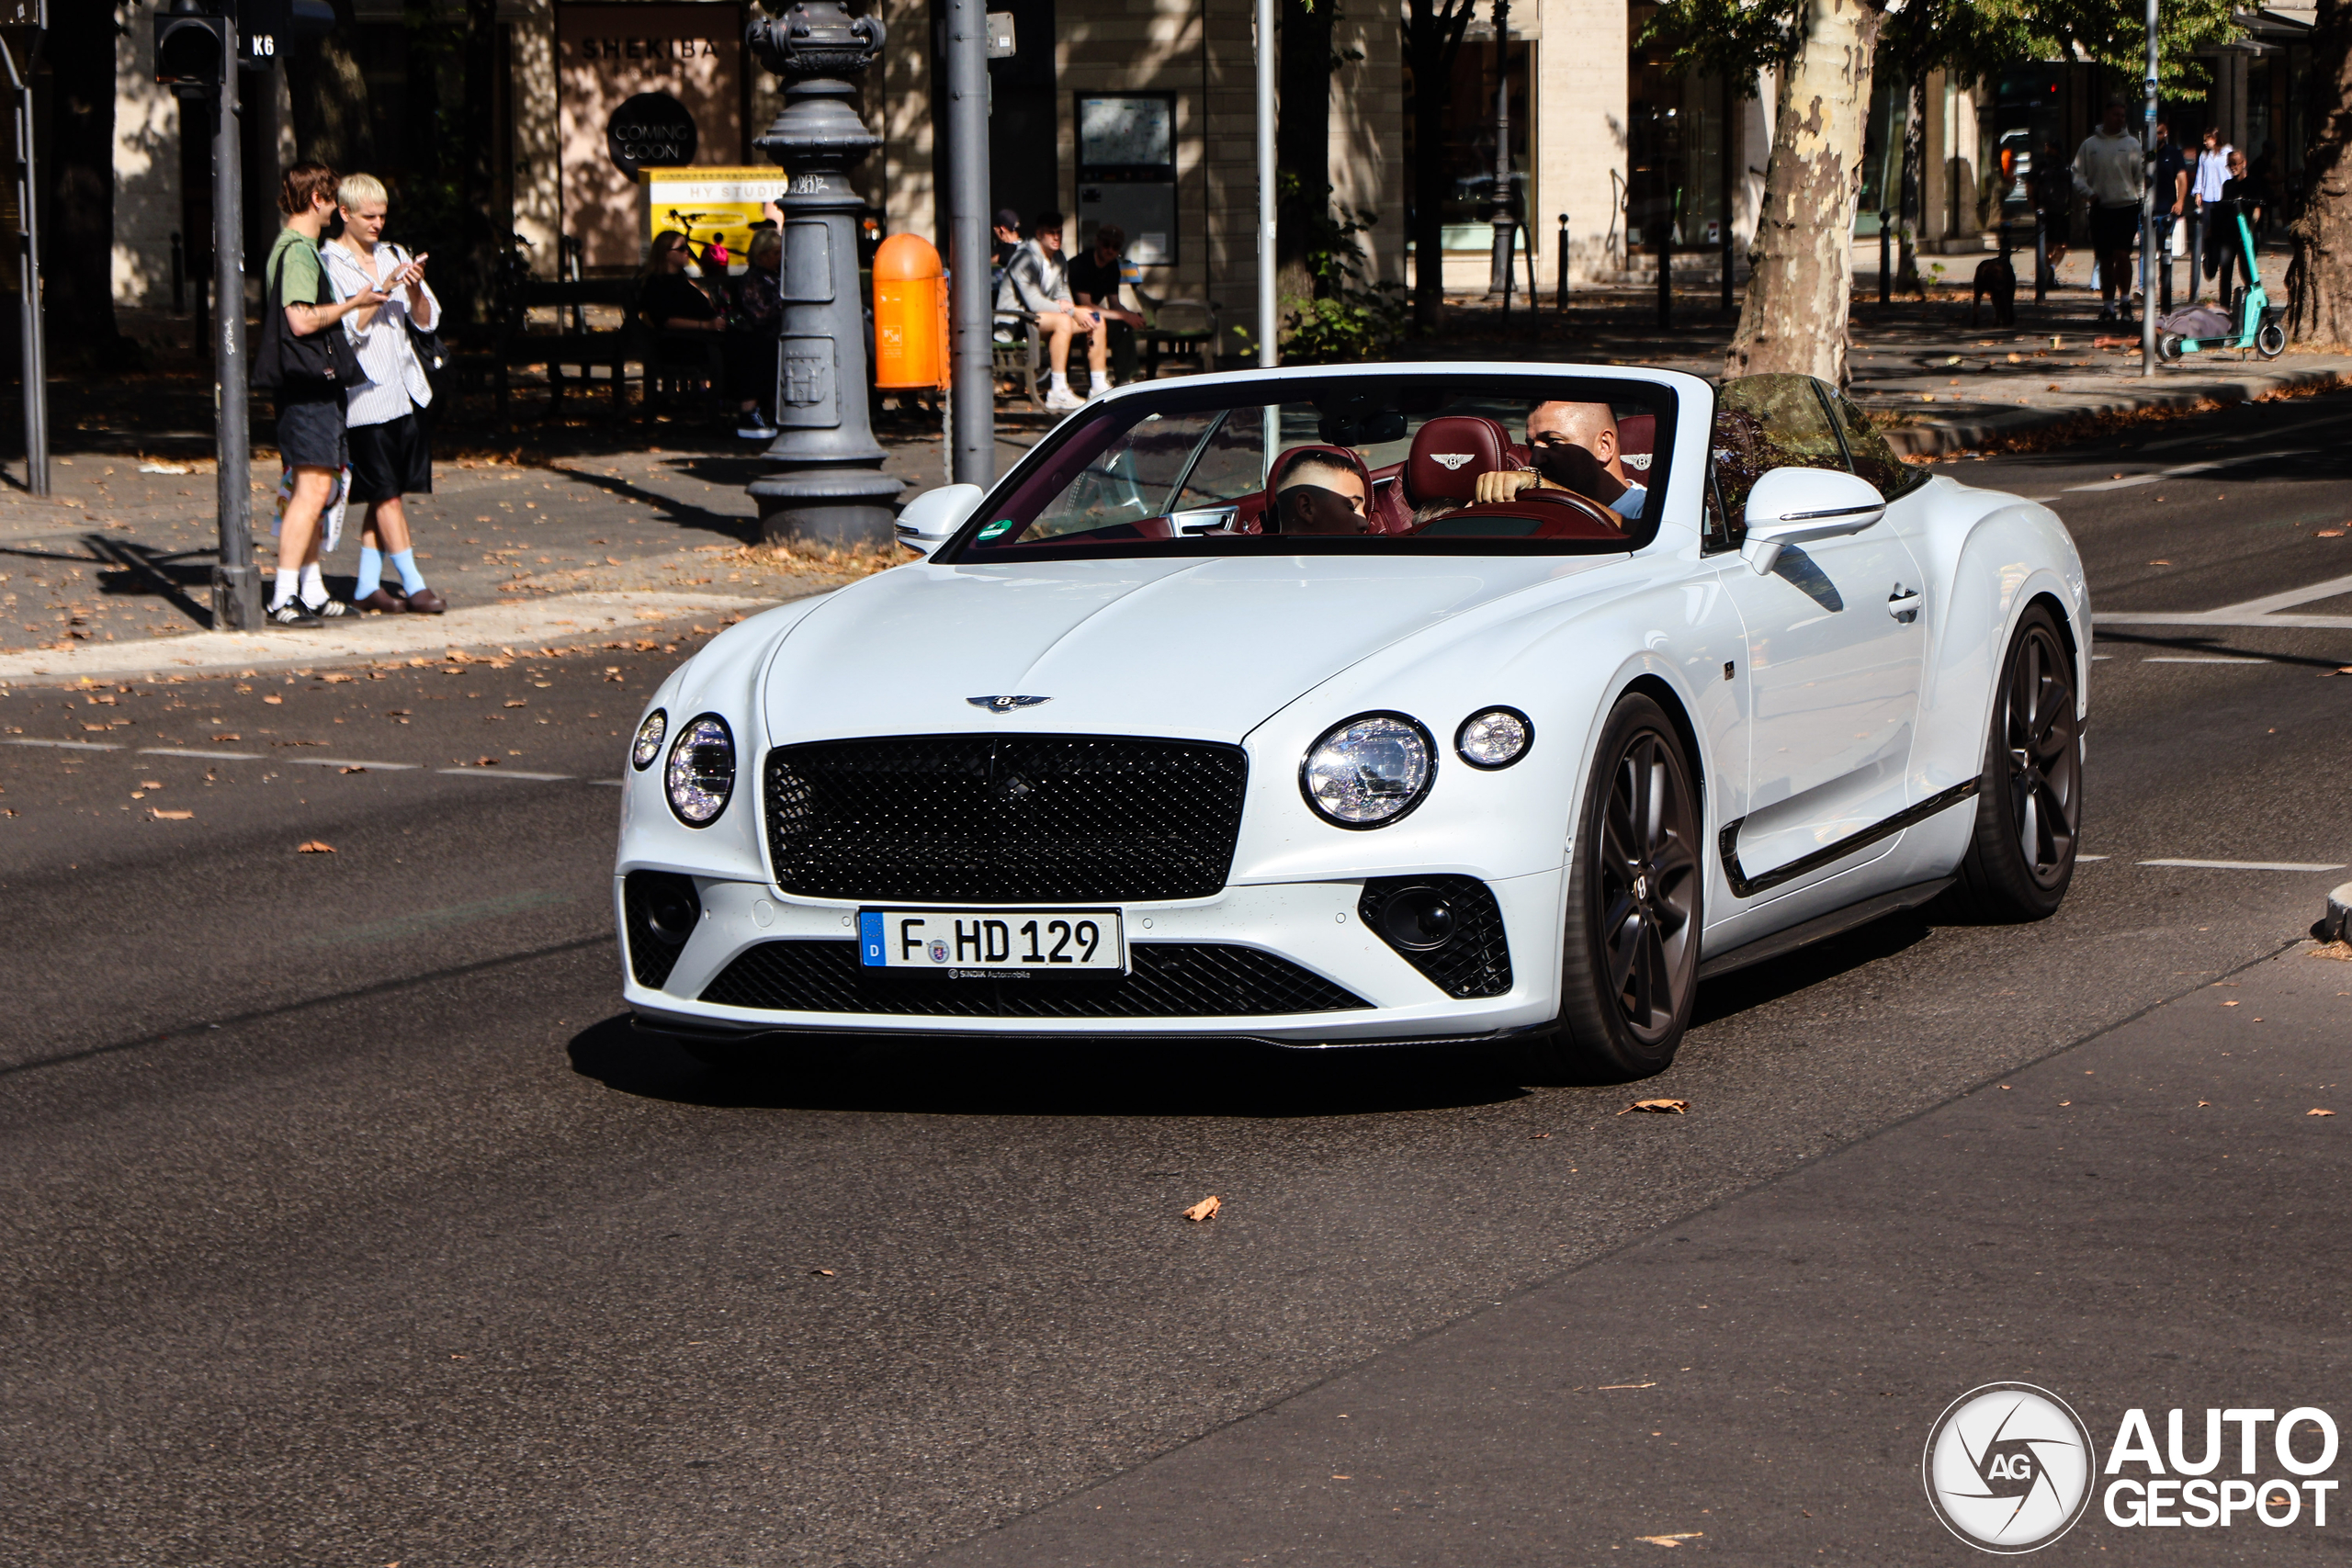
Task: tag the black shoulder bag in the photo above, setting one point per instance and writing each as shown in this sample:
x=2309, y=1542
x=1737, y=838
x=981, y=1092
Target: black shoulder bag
x=297, y=366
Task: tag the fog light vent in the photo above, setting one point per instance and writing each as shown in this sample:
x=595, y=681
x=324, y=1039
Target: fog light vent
x=659, y=909
x=1449, y=928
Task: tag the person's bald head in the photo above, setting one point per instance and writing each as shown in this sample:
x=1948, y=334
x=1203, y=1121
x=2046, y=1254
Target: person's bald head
x=1592, y=426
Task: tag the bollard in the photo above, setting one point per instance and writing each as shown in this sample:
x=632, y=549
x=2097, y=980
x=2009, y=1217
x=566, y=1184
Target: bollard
x=2040, y=257
x=1562, y=298
x=909, y=315
x=1885, y=262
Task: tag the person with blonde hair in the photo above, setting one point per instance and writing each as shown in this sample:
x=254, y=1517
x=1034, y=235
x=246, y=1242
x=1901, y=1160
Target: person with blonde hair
x=391, y=454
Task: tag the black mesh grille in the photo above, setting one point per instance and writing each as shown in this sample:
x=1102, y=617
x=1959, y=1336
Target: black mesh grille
x=966, y=818
x=1475, y=961
x=1167, y=980
x=651, y=956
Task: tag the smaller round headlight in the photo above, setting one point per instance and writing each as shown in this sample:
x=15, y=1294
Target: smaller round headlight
x=648, y=744
x=701, y=774
x=1368, y=772
x=1494, y=738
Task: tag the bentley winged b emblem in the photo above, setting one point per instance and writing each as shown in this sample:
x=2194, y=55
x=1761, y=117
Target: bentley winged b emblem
x=1450, y=461
x=1006, y=705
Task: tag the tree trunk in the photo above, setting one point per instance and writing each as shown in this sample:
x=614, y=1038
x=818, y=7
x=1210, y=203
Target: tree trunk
x=1794, y=317
x=332, y=119
x=2319, y=284
x=1303, y=144
x=1432, y=44
x=479, y=263
x=1912, y=200
x=77, y=222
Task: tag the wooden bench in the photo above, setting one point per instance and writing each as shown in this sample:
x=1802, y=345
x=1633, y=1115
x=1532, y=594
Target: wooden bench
x=572, y=346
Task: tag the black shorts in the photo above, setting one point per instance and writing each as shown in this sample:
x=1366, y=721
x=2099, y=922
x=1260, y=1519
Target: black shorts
x=311, y=433
x=2114, y=229
x=391, y=460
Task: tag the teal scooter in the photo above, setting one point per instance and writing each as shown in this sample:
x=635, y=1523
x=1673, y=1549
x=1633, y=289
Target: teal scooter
x=2259, y=324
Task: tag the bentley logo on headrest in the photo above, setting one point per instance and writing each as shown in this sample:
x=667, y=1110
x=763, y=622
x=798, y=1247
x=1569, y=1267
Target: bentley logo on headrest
x=1006, y=705
x=1636, y=460
x=1450, y=461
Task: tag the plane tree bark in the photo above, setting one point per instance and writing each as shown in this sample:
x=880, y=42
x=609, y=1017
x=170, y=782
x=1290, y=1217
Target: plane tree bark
x=1433, y=30
x=2320, y=282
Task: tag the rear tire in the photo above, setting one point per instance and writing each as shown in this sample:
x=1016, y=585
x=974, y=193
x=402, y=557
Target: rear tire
x=2029, y=798
x=2271, y=341
x=1630, y=967
x=2168, y=347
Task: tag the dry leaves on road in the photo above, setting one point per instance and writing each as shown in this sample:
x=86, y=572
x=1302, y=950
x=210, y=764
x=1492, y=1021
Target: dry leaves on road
x=274, y=700
x=1205, y=1209
x=2315, y=1110
x=162, y=816
x=1675, y=1539
x=1662, y=1106
x=2338, y=950
x=314, y=847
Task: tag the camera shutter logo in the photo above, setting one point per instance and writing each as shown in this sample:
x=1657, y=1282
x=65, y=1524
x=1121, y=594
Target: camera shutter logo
x=2008, y=1467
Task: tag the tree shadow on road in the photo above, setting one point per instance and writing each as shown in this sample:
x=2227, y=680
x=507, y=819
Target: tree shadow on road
x=1094, y=1077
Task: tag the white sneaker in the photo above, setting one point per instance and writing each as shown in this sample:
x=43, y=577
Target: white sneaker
x=754, y=430
x=1061, y=399
x=1100, y=385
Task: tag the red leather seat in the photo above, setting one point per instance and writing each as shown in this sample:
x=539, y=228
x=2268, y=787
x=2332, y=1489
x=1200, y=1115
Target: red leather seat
x=1637, y=439
x=1449, y=453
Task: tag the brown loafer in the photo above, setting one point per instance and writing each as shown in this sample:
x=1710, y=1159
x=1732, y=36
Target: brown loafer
x=383, y=602
x=425, y=602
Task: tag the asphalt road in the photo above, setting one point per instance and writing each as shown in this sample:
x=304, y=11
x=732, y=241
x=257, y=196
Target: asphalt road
x=342, y=1221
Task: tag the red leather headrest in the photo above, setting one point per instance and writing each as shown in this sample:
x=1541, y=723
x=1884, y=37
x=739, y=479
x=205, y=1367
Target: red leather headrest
x=1345, y=456
x=1449, y=453
x=1637, y=439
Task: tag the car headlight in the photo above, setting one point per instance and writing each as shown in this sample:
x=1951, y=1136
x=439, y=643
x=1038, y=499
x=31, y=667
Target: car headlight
x=1369, y=770
x=648, y=744
x=1494, y=738
x=701, y=774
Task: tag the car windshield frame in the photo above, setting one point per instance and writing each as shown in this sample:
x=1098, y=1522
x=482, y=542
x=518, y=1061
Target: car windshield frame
x=1520, y=388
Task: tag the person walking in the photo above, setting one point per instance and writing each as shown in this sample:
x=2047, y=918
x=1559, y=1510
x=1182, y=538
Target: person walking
x=2171, y=197
x=2212, y=174
x=391, y=452
x=1036, y=281
x=2108, y=169
x=753, y=337
x=2240, y=194
x=309, y=375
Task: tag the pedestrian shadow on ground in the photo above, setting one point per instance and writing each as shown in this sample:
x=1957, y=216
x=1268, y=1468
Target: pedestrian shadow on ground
x=1110, y=1076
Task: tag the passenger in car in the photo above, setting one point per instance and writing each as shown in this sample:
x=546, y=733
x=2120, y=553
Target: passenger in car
x=1573, y=447
x=1316, y=493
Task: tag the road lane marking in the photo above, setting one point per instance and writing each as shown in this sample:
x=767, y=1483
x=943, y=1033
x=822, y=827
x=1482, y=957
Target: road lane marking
x=2183, y=659
x=2184, y=470
x=617, y=784
x=2094, y=857
x=63, y=745
x=353, y=763
x=2243, y=864
x=503, y=774
x=2262, y=611
x=214, y=756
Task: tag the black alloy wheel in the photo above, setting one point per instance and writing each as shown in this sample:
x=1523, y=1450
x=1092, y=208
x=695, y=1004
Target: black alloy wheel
x=1631, y=971
x=2029, y=805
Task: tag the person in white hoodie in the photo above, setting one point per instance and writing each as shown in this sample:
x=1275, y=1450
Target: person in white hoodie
x=2111, y=169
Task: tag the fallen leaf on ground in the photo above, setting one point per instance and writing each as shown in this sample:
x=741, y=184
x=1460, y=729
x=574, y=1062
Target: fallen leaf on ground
x=1604, y=1388
x=169, y=815
x=1676, y=1539
x=1537, y=1137
x=274, y=700
x=518, y=703
x=1205, y=1209
x=2315, y=1110
x=2160, y=563
x=1663, y=1107
x=151, y=784
x=2329, y=534
x=351, y=770
x=314, y=847
x=822, y=1273
x=2230, y=1004
x=485, y=762
x=2342, y=949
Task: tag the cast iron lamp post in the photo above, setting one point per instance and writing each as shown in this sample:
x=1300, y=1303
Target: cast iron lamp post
x=824, y=483
x=1505, y=213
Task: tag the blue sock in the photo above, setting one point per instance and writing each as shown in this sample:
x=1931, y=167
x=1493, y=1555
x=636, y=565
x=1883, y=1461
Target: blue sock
x=371, y=571
x=404, y=562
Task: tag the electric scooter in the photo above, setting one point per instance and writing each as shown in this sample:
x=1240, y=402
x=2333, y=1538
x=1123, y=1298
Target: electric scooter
x=2259, y=323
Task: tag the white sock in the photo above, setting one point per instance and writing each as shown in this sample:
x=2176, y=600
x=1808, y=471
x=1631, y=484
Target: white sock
x=287, y=578
x=1060, y=382
x=314, y=585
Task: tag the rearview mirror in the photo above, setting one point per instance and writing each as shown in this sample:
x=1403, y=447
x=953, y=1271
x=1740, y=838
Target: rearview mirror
x=1795, y=506
x=931, y=518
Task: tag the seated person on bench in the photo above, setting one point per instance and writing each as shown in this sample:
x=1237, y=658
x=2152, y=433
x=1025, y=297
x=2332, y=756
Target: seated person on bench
x=1316, y=493
x=1094, y=279
x=1573, y=447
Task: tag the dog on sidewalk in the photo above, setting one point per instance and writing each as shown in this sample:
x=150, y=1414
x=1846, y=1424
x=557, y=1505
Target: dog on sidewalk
x=1995, y=279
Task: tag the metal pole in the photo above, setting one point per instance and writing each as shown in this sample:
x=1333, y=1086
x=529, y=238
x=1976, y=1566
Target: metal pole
x=1504, y=213
x=1269, y=434
x=972, y=380
x=236, y=581
x=1724, y=164
x=2041, y=256
x=34, y=358
x=1885, y=262
x=2148, y=212
x=1561, y=297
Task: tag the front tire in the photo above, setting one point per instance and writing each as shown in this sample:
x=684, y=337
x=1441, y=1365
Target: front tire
x=2030, y=800
x=2270, y=342
x=1631, y=971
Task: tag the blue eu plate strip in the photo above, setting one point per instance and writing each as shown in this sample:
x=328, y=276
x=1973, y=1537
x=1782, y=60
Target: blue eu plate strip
x=870, y=938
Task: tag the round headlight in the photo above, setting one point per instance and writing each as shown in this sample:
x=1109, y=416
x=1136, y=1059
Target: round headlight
x=1369, y=770
x=1494, y=738
x=702, y=770
x=648, y=744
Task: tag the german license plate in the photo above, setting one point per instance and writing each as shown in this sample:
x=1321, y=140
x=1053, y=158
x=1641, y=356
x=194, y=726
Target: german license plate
x=1006, y=943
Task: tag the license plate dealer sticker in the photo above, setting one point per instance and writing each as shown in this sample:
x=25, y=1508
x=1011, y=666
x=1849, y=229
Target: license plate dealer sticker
x=1003, y=943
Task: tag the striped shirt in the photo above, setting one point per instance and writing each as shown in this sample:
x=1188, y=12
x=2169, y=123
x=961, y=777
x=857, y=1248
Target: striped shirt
x=395, y=380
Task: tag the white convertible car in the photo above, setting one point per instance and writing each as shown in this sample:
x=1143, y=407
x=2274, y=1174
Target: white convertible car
x=1451, y=702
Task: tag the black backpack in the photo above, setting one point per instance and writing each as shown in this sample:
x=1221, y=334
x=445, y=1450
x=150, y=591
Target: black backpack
x=294, y=366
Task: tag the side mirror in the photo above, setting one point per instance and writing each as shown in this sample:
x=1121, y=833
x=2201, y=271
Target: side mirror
x=1795, y=506
x=931, y=518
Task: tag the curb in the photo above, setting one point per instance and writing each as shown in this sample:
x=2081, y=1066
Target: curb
x=1933, y=438
x=2336, y=924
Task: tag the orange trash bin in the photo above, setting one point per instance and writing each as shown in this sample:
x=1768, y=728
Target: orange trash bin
x=909, y=314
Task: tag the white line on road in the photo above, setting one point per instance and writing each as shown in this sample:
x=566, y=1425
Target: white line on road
x=64, y=745
x=2262, y=611
x=2184, y=659
x=617, y=784
x=2243, y=864
x=502, y=773
x=2185, y=469
x=354, y=763
x=2080, y=858
x=213, y=756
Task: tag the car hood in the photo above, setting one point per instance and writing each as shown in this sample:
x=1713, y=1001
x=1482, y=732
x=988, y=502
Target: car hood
x=1201, y=648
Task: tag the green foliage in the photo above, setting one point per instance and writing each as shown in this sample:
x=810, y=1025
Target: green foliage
x=1347, y=318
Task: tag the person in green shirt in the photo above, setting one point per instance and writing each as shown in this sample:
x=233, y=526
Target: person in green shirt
x=310, y=422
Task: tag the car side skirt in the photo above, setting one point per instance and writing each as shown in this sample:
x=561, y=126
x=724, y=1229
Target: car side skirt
x=1747, y=887
x=1821, y=928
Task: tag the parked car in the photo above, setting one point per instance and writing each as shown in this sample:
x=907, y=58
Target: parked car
x=1163, y=739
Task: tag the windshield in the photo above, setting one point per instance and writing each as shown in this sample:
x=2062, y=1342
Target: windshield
x=1439, y=462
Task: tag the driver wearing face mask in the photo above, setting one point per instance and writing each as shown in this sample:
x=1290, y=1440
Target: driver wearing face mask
x=1573, y=447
